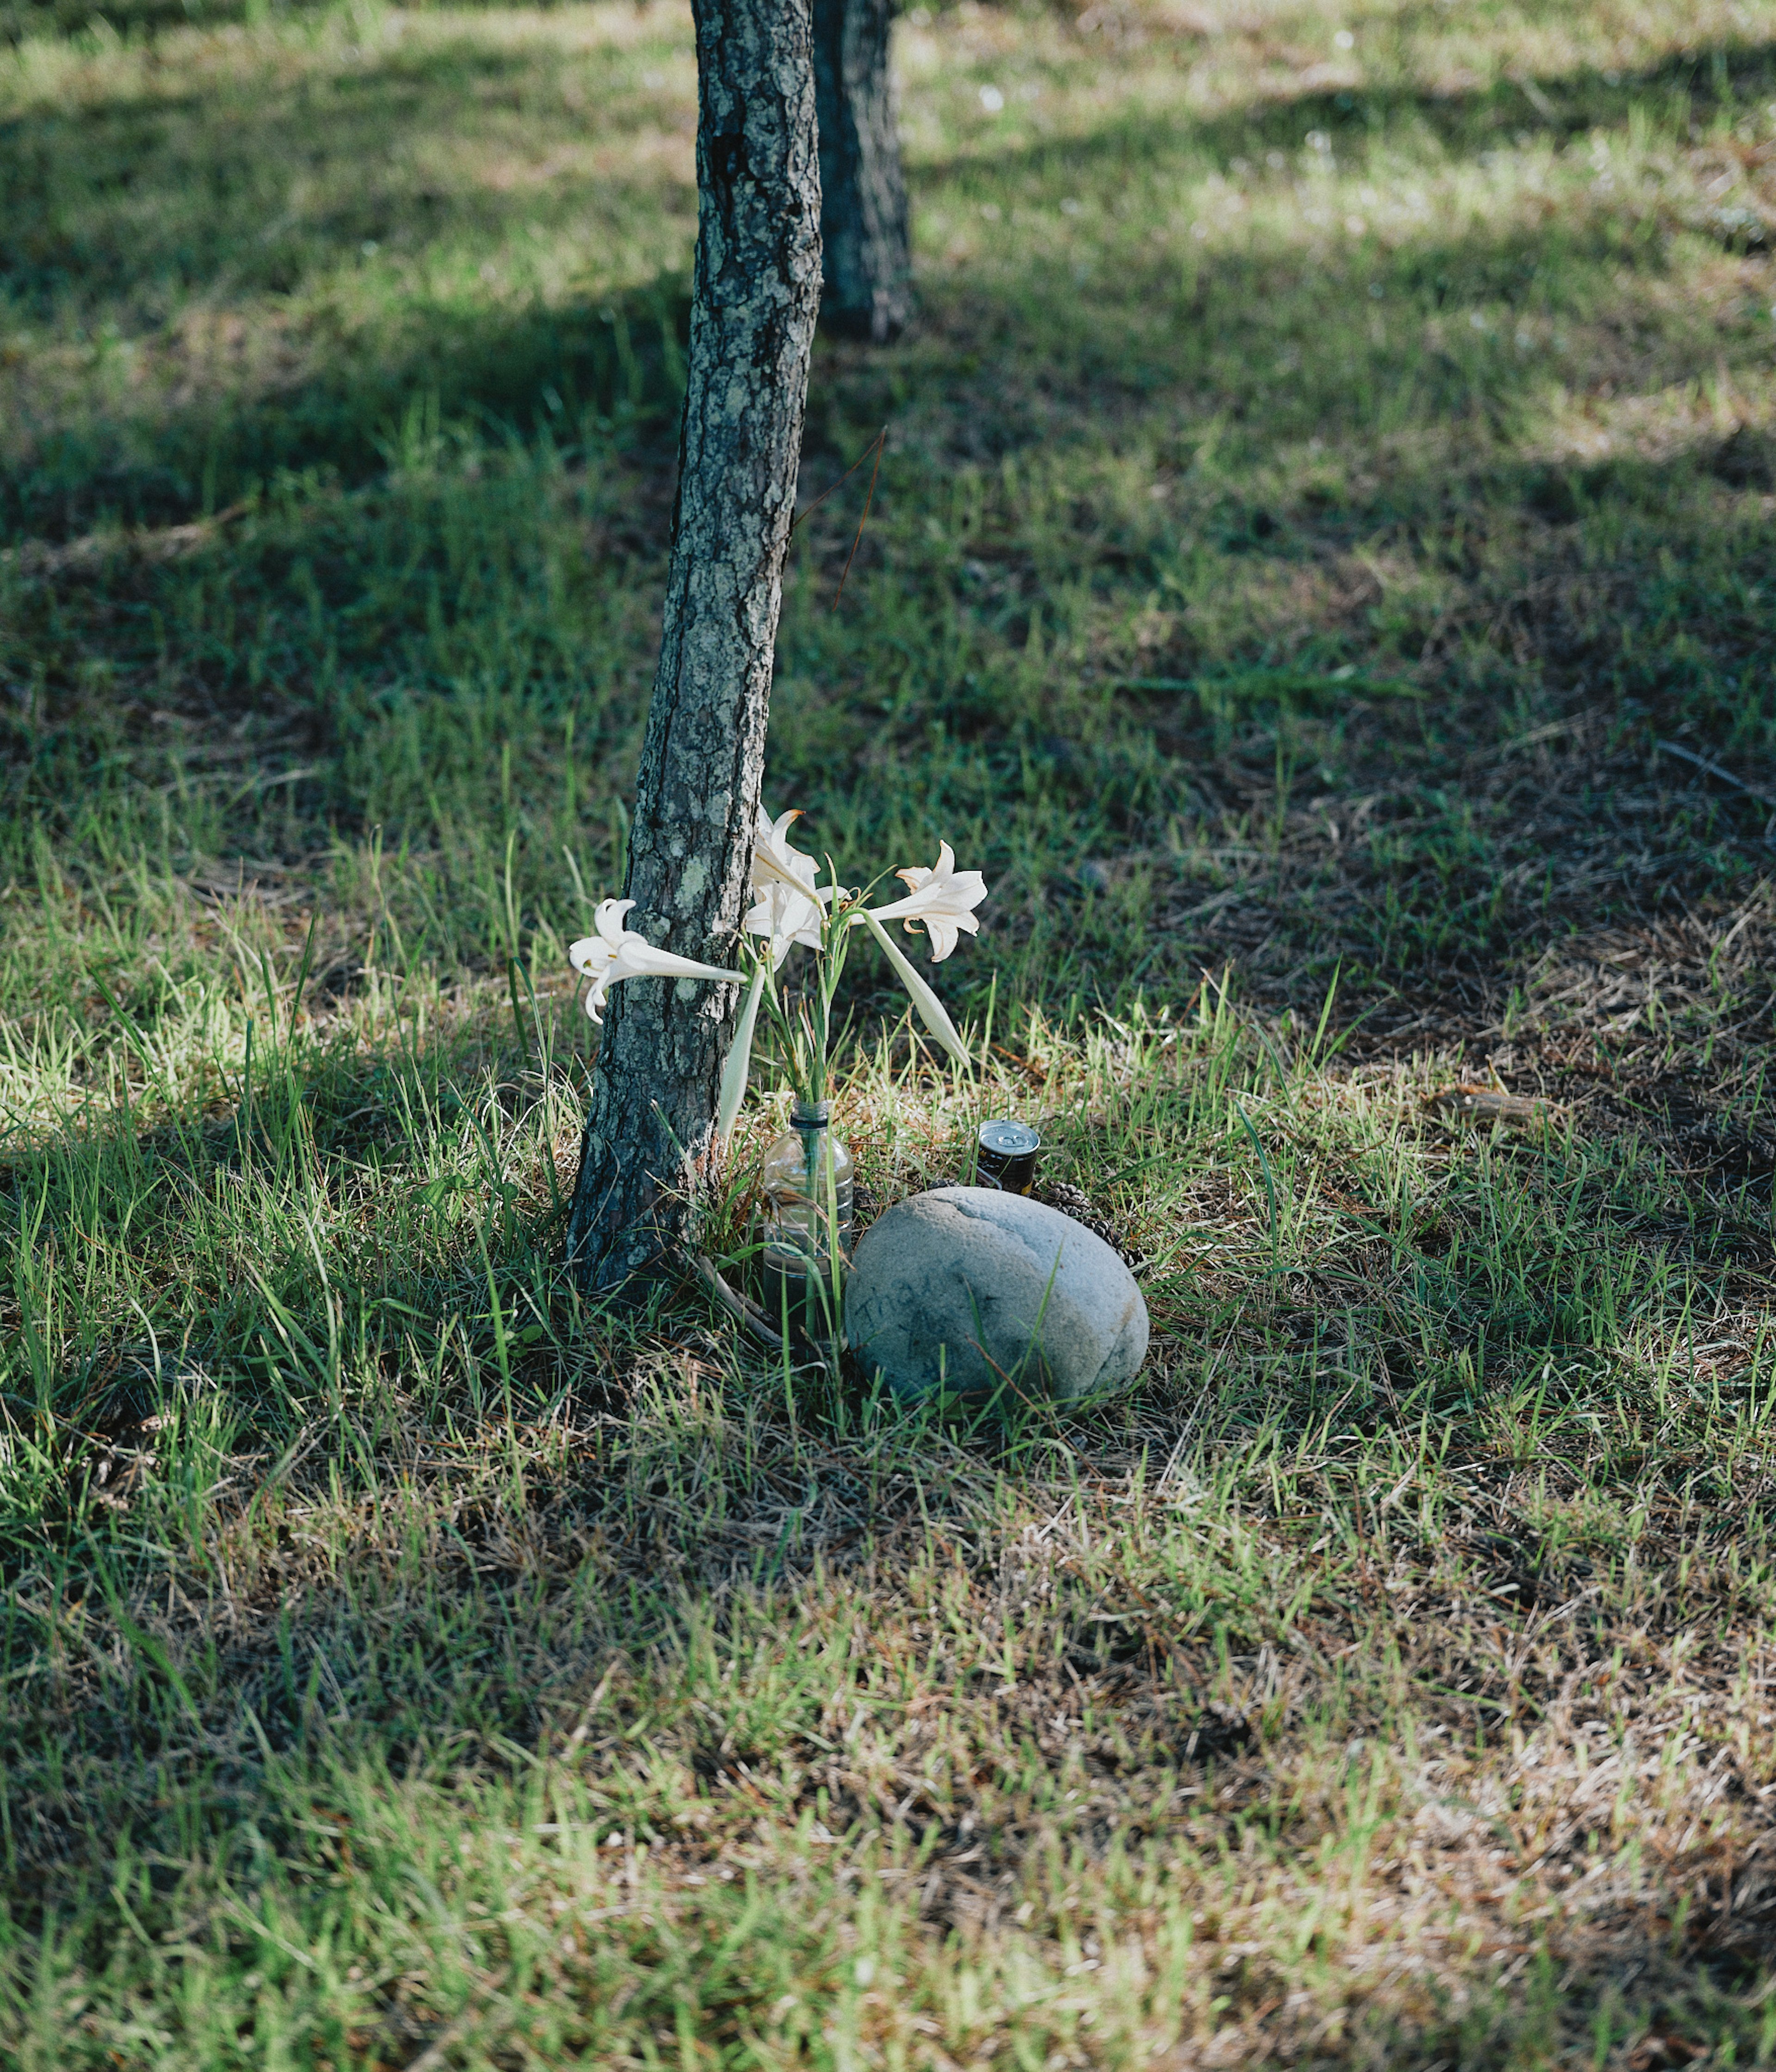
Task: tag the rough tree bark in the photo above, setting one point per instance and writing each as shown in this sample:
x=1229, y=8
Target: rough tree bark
x=868, y=289
x=755, y=294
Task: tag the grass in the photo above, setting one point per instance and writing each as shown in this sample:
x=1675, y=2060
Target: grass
x=1326, y=513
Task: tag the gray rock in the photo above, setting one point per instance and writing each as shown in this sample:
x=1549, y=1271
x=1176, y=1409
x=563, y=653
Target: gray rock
x=962, y=1287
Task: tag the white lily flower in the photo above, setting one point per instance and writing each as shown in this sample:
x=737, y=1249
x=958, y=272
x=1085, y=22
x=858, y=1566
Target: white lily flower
x=788, y=915
x=617, y=952
x=791, y=903
x=944, y=899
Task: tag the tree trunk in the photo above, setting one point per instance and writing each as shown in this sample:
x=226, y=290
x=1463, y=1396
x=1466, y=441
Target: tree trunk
x=868, y=290
x=755, y=299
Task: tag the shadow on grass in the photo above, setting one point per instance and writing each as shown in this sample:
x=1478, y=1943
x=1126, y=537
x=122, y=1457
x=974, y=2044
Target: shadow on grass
x=417, y=1551
x=566, y=374
x=1695, y=84
x=441, y=1137
x=265, y=187
x=278, y=273
x=136, y=19
x=415, y=653
x=138, y=207
x=431, y=640
x=20, y=20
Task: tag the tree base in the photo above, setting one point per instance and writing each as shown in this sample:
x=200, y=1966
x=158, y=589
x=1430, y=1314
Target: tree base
x=879, y=323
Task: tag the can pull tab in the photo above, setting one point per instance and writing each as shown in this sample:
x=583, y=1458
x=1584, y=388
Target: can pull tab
x=1006, y=1156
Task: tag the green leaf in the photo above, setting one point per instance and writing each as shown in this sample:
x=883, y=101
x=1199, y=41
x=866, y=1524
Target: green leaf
x=930, y=1007
x=739, y=1064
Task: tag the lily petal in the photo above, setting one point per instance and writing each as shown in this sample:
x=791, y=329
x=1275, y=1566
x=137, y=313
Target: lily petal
x=774, y=862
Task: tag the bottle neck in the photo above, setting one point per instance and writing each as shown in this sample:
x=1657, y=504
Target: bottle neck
x=811, y=1115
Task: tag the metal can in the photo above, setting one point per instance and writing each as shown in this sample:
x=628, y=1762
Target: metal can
x=1006, y=1156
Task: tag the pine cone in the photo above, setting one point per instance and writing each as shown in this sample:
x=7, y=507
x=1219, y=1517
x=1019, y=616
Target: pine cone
x=1075, y=1202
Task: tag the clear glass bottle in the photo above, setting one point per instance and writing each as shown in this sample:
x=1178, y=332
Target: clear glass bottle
x=805, y=1222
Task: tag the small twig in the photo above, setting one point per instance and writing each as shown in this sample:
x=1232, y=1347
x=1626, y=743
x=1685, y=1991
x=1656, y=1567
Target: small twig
x=1201, y=1397
x=874, y=447
x=591, y=1707
x=882, y=441
x=1537, y=100
x=1474, y=1103
x=1714, y=769
x=433, y=2055
x=744, y=1312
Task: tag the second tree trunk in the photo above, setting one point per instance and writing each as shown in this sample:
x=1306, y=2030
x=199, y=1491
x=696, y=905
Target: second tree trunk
x=868, y=289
